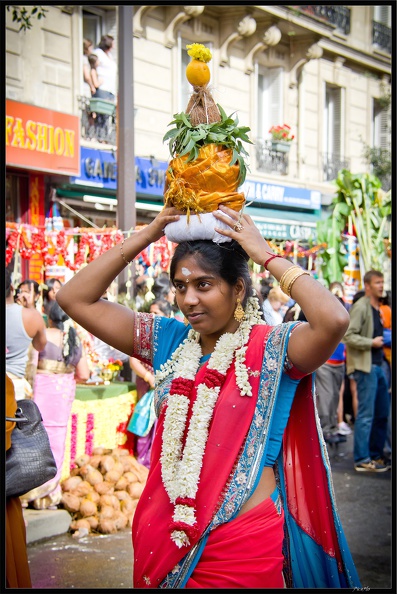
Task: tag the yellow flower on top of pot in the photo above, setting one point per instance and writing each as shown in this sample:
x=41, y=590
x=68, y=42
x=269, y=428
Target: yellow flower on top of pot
x=197, y=71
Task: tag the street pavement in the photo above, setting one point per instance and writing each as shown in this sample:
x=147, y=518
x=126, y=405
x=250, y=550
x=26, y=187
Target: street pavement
x=364, y=502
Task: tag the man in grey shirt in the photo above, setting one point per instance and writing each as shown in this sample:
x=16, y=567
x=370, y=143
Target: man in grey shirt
x=24, y=327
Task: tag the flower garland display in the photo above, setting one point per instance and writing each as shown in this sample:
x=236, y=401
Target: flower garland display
x=28, y=240
x=181, y=465
x=95, y=423
x=77, y=246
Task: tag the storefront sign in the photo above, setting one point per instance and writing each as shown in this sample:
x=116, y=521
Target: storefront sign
x=150, y=176
x=275, y=194
x=274, y=230
x=99, y=169
x=40, y=139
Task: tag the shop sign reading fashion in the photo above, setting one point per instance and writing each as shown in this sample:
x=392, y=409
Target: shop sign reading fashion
x=41, y=139
x=99, y=169
x=275, y=194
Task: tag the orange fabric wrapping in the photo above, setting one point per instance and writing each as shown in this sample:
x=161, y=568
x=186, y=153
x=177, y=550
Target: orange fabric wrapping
x=11, y=407
x=205, y=183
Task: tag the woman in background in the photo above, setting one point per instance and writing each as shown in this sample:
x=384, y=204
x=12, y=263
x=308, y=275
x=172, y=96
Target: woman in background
x=88, y=86
x=59, y=364
x=52, y=287
x=273, y=306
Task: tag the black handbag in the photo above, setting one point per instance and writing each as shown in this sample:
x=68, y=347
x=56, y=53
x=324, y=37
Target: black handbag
x=29, y=461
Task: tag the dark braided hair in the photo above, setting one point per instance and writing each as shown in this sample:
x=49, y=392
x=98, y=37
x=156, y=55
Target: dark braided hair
x=229, y=262
x=58, y=317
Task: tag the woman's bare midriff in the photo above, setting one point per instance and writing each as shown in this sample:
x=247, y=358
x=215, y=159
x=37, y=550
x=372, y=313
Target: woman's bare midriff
x=266, y=486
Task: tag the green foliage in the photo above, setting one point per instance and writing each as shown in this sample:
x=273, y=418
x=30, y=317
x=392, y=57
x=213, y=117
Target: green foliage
x=333, y=257
x=23, y=16
x=185, y=139
x=359, y=202
x=380, y=160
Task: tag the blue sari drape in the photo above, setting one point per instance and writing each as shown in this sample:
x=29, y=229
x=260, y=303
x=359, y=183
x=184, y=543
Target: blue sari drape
x=315, y=548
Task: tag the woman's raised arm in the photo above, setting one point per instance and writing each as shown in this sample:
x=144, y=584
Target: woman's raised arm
x=81, y=297
x=310, y=344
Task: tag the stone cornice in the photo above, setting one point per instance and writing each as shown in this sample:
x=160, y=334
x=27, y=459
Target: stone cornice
x=360, y=57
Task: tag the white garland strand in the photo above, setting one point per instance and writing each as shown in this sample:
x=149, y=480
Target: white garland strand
x=181, y=466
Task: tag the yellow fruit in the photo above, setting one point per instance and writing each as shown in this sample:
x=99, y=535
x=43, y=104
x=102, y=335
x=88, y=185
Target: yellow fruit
x=198, y=73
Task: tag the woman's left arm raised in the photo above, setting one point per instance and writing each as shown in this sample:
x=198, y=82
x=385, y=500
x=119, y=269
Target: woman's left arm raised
x=311, y=343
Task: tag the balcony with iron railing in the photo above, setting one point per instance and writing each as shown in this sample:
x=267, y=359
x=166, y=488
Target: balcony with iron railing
x=269, y=159
x=98, y=120
x=332, y=163
x=336, y=15
x=381, y=36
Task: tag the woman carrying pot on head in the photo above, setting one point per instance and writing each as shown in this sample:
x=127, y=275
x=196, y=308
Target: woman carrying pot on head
x=225, y=505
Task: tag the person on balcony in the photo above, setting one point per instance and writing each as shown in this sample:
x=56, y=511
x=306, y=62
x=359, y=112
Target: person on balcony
x=88, y=87
x=96, y=81
x=107, y=69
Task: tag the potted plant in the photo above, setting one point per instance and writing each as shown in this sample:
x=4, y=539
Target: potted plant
x=281, y=138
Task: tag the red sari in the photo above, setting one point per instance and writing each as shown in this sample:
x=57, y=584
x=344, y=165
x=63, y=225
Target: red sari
x=154, y=552
x=248, y=550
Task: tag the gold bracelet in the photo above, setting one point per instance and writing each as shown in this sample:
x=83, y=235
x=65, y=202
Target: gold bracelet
x=122, y=253
x=289, y=277
x=288, y=274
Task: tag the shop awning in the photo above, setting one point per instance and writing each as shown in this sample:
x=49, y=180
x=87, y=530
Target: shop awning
x=105, y=200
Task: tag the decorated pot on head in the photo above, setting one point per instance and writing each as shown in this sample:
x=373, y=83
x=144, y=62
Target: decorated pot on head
x=208, y=164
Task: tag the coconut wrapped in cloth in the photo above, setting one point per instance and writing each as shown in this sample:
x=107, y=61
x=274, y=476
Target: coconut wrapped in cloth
x=208, y=164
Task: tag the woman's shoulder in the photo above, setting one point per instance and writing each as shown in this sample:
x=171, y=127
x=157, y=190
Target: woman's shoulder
x=168, y=333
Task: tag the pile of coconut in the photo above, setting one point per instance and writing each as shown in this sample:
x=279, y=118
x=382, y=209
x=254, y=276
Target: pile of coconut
x=103, y=490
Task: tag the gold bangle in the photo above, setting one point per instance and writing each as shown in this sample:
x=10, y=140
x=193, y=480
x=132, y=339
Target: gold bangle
x=288, y=280
x=122, y=253
x=284, y=280
x=289, y=277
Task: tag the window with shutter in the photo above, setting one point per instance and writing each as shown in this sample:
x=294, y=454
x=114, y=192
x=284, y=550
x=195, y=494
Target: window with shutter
x=334, y=126
x=381, y=126
x=270, y=99
x=382, y=14
x=333, y=121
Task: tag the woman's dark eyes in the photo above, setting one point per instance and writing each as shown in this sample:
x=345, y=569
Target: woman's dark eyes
x=200, y=285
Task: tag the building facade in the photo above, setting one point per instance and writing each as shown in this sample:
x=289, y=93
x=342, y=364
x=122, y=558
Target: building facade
x=322, y=70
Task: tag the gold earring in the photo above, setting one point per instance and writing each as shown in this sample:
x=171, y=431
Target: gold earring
x=186, y=321
x=239, y=312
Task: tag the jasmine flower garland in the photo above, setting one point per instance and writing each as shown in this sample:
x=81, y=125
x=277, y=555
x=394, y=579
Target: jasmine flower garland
x=181, y=466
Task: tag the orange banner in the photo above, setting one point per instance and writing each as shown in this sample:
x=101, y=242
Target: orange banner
x=36, y=216
x=41, y=139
